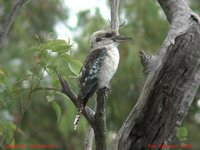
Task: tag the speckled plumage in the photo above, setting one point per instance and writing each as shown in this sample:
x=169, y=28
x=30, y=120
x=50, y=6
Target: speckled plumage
x=99, y=67
x=88, y=79
x=98, y=70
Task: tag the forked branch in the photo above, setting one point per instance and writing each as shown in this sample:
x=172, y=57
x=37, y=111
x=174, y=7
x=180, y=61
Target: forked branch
x=96, y=120
x=87, y=112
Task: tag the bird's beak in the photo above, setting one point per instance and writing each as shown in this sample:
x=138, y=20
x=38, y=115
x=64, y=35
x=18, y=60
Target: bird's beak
x=120, y=38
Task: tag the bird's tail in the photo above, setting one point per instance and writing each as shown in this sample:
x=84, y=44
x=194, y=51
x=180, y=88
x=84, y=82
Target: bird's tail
x=78, y=115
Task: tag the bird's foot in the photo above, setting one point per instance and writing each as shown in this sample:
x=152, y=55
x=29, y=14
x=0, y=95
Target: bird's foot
x=105, y=90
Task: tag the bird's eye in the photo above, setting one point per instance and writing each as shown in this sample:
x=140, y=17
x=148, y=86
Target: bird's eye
x=98, y=39
x=108, y=35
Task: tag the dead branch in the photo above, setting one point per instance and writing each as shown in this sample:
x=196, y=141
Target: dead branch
x=114, y=14
x=89, y=139
x=100, y=120
x=149, y=62
x=8, y=23
x=170, y=88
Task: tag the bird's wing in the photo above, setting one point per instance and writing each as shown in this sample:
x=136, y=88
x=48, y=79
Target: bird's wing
x=88, y=81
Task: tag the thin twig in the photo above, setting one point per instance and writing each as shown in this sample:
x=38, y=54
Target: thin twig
x=25, y=106
x=46, y=89
x=9, y=21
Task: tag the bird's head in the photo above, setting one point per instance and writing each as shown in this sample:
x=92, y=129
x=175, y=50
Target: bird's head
x=106, y=37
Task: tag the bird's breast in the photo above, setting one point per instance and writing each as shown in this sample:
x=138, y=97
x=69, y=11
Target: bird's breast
x=109, y=67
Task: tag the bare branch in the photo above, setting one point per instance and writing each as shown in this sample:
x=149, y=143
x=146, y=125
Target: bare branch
x=89, y=139
x=46, y=89
x=149, y=62
x=6, y=26
x=122, y=24
x=175, y=8
x=100, y=119
x=114, y=14
x=87, y=112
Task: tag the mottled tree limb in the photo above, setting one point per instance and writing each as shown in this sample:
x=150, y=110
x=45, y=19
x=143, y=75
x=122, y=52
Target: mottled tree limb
x=170, y=88
x=9, y=20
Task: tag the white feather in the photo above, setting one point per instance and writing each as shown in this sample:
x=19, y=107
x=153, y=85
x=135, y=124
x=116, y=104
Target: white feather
x=109, y=65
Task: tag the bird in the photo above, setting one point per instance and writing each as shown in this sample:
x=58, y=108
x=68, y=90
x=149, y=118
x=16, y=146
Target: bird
x=99, y=66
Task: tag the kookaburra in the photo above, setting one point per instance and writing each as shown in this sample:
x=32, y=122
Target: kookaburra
x=99, y=67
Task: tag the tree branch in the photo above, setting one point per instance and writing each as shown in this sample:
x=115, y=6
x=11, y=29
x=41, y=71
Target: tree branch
x=174, y=9
x=100, y=114
x=100, y=120
x=114, y=14
x=89, y=139
x=170, y=88
x=87, y=112
x=149, y=63
x=46, y=89
x=6, y=26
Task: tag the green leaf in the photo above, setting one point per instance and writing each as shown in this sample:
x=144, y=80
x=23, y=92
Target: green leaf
x=182, y=132
x=13, y=126
x=73, y=69
x=52, y=67
x=57, y=109
x=29, y=73
x=75, y=66
x=57, y=45
x=50, y=98
x=2, y=73
x=9, y=133
x=1, y=128
x=34, y=48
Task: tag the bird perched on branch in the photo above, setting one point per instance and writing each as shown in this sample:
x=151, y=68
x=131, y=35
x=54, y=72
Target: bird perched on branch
x=99, y=67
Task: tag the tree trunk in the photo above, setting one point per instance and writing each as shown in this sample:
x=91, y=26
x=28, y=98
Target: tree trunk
x=171, y=84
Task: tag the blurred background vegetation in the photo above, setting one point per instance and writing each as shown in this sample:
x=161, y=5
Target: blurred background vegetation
x=31, y=55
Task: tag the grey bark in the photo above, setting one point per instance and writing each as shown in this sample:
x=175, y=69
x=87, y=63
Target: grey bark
x=114, y=4
x=89, y=139
x=100, y=120
x=96, y=120
x=9, y=20
x=170, y=87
